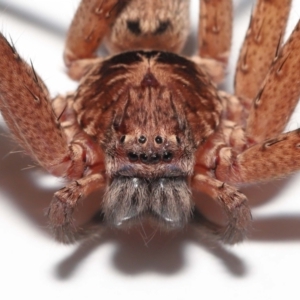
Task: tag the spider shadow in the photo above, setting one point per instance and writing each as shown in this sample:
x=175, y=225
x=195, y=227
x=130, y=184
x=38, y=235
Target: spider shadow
x=134, y=254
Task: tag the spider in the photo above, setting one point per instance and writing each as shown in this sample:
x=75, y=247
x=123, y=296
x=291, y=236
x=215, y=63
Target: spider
x=150, y=126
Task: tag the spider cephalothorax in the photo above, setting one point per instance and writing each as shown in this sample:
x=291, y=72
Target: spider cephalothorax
x=147, y=122
x=148, y=126
x=144, y=112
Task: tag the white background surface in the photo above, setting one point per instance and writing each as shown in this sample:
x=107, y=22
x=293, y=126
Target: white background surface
x=120, y=265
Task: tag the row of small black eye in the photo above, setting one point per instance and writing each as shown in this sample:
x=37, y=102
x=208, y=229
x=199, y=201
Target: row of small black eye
x=142, y=139
x=153, y=158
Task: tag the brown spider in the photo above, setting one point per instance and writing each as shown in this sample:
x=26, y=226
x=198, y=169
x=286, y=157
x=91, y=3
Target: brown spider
x=149, y=126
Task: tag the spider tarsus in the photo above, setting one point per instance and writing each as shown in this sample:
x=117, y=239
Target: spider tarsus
x=231, y=235
x=60, y=221
x=68, y=233
x=238, y=226
x=63, y=234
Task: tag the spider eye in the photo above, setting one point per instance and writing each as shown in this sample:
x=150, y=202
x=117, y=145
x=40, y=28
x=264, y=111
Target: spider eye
x=133, y=156
x=158, y=139
x=142, y=139
x=167, y=156
x=144, y=158
x=134, y=27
